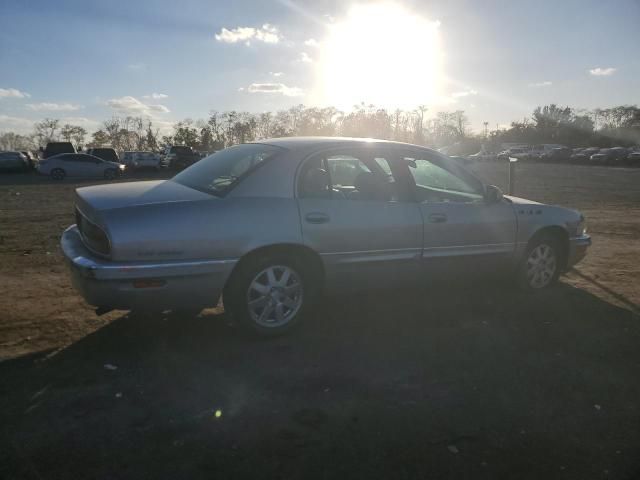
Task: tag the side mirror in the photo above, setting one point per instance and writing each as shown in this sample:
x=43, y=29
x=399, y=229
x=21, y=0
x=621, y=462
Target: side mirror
x=492, y=194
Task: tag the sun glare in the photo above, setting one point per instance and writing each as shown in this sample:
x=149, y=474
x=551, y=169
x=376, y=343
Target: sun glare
x=380, y=54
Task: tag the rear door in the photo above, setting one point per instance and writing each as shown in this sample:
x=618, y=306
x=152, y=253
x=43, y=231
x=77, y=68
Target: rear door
x=359, y=218
x=72, y=165
x=463, y=233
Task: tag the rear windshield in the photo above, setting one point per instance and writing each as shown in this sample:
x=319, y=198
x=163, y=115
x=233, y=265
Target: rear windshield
x=218, y=173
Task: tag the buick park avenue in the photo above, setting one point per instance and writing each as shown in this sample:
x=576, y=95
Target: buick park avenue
x=268, y=226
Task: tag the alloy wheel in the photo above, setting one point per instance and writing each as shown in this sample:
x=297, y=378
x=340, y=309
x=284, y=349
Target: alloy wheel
x=541, y=266
x=275, y=296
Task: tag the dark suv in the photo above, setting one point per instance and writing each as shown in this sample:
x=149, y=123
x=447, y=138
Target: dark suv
x=56, y=148
x=106, y=154
x=179, y=157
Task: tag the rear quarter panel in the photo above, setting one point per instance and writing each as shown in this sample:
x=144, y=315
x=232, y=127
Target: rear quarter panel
x=211, y=229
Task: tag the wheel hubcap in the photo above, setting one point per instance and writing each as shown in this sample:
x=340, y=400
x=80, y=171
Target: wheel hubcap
x=541, y=266
x=275, y=296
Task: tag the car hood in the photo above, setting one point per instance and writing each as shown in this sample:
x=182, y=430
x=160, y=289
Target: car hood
x=133, y=194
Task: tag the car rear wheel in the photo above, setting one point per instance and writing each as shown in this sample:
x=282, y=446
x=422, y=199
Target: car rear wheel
x=541, y=265
x=58, y=174
x=110, y=173
x=269, y=296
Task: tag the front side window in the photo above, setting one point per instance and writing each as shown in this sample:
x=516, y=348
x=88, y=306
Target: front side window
x=218, y=173
x=438, y=181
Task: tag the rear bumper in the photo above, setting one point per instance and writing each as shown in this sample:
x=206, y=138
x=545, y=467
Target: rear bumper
x=578, y=247
x=102, y=283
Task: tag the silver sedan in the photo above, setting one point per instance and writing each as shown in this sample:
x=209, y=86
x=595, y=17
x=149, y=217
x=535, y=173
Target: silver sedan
x=79, y=165
x=270, y=225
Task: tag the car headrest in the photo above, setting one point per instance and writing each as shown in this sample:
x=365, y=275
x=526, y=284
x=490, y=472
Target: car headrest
x=316, y=183
x=370, y=187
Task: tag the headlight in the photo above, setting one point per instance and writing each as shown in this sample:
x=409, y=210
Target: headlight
x=122, y=167
x=578, y=228
x=582, y=228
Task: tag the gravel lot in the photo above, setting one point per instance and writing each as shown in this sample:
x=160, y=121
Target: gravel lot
x=459, y=382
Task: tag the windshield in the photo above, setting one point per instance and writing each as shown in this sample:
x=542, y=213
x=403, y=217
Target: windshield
x=217, y=173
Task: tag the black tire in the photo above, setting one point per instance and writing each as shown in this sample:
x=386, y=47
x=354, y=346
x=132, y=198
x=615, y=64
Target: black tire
x=58, y=174
x=237, y=294
x=534, y=270
x=110, y=173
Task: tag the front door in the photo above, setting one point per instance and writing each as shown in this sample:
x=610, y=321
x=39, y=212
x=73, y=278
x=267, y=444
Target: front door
x=359, y=219
x=463, y=234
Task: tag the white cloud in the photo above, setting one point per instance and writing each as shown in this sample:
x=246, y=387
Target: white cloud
x=156, y=96
x=602, y=72
x=15, y=124
x=12, y=93
x=88, y=123
x=132, y=106
x=267, y=34
x=463, y=93
x=278, y=88
x=137, y=66
x=312, y=42
x=305, y=58
x=276, y=74
x=53, y=107
x=456, y=96
x=546, y=83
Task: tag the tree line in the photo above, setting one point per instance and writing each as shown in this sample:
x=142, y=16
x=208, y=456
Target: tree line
x=547, y=124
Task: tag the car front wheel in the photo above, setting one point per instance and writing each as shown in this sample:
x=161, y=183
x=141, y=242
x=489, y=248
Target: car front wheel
x=110, y=174
x=58, y=174
x=541, y=265
x=269, y=296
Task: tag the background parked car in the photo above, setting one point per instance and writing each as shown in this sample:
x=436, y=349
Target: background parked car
x=520, y=153
x=31, y=158
x=15, y=161
x=601, y=157
x=140, y=160
x=483, y=156
x=561, y=154
x=56, y=148
x=582, y=155
x=179, y=157
x=633, y=158
x=617, y=155
x=79, y=165
x=106, y=154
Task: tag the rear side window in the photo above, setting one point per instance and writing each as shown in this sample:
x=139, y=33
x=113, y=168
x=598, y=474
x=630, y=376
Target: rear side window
x=218, y=173
x=361, y=175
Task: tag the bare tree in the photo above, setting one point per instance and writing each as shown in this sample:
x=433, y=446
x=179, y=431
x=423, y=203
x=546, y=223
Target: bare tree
x=46, y=131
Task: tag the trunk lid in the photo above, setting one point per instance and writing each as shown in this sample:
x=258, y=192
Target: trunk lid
x=132, y=194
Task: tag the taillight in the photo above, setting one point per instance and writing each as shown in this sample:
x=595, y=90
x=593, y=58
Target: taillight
x=94, y=237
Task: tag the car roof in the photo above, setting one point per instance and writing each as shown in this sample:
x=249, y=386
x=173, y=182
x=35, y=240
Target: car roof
x=316, y=143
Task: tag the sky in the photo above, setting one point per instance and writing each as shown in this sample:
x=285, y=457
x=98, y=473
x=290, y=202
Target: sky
x=84, y=61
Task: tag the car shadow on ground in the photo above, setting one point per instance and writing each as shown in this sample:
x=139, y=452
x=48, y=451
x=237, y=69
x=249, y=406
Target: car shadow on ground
x=473, y=383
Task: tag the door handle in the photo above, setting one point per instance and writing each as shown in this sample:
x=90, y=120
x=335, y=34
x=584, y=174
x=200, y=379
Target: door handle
x=437, y=218
x=316, y=217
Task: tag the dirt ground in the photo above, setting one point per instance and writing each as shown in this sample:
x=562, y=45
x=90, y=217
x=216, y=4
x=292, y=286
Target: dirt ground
x=464, y=382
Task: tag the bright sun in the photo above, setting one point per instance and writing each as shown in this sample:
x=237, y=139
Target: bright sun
x=380, y=54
